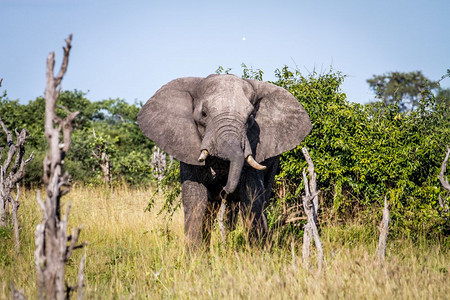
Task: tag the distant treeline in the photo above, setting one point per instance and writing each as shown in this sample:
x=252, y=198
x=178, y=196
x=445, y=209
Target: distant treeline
x=107, y=126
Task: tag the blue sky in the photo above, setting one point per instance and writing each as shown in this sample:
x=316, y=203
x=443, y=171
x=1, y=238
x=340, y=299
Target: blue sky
x=128, y=49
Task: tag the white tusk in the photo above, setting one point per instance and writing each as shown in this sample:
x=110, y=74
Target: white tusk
x=252, y=162
x=203, y=155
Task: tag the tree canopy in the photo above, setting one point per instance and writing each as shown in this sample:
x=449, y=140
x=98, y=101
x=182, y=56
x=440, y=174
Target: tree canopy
x=403, y=89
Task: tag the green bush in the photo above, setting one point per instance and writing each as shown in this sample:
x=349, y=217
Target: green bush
x=363, y=153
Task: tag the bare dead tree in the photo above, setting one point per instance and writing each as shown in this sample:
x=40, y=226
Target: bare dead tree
x=384, y=230
x=158, y=163
x=311, y=206
x=444, y=182
x=11, y=172
x=51, y=238
x=105, y=162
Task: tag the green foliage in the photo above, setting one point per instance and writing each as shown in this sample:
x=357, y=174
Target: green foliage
x=365, y=152
x=249, y=73
x=115, y=127
x=222, y=70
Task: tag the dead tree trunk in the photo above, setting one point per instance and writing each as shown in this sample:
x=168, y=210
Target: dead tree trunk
x=443, y=203
x=102, y=156
x=384, y=230
x=52, y=249
x=311, y=206
x=11, y=172
x=158, y=164
x=15, y=220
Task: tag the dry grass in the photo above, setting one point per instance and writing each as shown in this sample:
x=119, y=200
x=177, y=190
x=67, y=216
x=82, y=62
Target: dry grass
x=134, y=254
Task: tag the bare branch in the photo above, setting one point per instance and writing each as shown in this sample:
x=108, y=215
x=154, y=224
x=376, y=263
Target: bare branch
x=80, y=287
x=384, y=229
x=15, y=207
x=65, y=62
x=73, y=243
x=310, y=203
x=444, y=182
x=10, y=175
x=41, y=204
x=20, y=163
x=95, y=155
x=8, y=134
x=294, y=257
x=11, y=145
x=443, y=204
x=312, y=182
x=67, y=129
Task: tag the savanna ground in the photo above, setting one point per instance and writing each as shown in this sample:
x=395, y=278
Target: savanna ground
x=133, y=254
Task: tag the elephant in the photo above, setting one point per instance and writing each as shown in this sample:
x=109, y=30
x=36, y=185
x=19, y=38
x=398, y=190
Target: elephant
x=227, y=133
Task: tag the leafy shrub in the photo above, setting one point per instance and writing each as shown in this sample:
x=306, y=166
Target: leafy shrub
x=363, y=153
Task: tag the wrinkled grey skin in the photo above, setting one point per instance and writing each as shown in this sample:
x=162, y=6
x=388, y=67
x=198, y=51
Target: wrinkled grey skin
x=231, y=118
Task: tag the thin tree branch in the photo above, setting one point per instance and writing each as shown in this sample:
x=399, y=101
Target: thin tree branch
x=80, y=287
x=444, y=182
x=65, y=62
x=384, y=230
x=11, y=145
x=15, y=207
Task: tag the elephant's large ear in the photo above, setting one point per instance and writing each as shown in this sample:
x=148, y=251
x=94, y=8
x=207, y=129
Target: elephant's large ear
x=282, y=120
x=167, y=120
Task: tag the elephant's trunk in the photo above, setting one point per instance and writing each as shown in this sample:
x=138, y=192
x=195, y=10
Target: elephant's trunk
x=235, y=155
x=229, y=141
x=230, y=147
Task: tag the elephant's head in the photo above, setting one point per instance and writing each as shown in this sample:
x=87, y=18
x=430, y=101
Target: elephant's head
x=224, y=116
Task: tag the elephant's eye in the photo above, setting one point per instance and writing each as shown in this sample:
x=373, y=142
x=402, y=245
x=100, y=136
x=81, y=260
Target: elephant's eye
x=203, y=114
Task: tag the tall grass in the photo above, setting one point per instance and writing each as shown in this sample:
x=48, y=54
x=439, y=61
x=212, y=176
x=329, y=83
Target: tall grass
x=134, y=254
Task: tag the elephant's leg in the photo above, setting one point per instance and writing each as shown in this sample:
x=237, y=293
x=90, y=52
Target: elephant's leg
x=212, y=207
x=228, y=216
x=195, y=201
x=269, y=176
x=252, y=195
x=232, y=212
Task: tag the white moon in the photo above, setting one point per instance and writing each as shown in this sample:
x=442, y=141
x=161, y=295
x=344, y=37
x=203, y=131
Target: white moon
x=243, y=38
